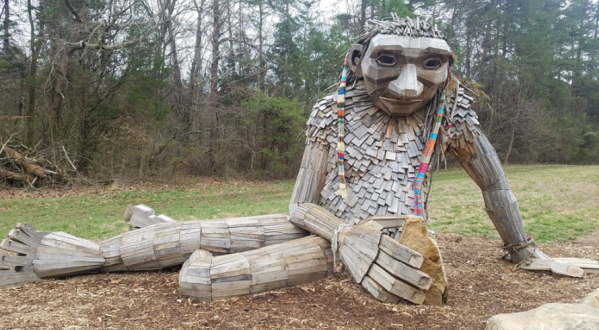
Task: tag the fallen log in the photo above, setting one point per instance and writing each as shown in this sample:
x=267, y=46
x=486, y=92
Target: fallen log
x=23, y=166
x=25, y=178
x=27, y=164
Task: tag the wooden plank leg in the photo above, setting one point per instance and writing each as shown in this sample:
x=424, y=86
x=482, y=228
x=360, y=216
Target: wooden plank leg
x=194, y=278
x=268, y=268
x=60, y=254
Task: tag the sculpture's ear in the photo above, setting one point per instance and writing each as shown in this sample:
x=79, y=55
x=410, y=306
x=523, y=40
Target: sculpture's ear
x=355, y=56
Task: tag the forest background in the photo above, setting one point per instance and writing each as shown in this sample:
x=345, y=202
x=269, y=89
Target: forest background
x=139, y=88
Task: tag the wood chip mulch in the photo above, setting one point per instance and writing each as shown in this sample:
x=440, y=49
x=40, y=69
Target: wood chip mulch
x=481, y=285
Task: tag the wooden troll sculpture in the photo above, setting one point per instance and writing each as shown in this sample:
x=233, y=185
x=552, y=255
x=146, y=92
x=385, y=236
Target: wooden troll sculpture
x=361, y=190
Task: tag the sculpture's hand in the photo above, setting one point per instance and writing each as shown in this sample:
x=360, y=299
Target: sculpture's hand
x=384, y=267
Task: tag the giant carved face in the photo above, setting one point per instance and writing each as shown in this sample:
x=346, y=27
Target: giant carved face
x=403, y=73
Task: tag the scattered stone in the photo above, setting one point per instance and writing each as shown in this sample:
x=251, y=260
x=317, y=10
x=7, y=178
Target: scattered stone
x=548, y=317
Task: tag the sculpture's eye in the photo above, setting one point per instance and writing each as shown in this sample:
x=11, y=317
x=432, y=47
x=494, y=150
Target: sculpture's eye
x=433, y=63
x=386, y=60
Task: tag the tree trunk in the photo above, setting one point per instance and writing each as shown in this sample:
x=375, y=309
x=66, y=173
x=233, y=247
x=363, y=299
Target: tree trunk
x=213, y=115
x=6, y=37
x=363, y=6
x=35, y=47
x=262, y=62
x=60, y=83
x=580, y=43
x=195, y=75
x=179, y=103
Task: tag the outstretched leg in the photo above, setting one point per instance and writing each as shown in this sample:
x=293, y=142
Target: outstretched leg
x=295, y=262
x=28, y=255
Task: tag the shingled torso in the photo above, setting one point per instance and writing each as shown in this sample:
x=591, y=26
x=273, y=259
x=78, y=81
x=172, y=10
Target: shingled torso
x=383, y=152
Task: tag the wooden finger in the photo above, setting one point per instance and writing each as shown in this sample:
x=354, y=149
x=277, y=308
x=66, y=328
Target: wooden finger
x=396, y=286
x=400, y=252
x=378, y=291
x=404, y=272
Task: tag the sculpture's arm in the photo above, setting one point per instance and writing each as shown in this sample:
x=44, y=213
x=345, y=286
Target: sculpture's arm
x=475, y=153
x=312, y=174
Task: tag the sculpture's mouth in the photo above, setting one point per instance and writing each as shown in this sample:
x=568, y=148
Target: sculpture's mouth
x=396, y=101
x=395, y=106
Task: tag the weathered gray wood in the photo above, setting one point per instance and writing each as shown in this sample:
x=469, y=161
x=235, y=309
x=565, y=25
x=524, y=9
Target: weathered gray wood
x=229, y=268
x=268, y=271
x=387, y=221
x=17, y=253
x=60, y=254
x=190, y=237
x=194, y=277
x=278, y=229
x=137, y=250
x=17, y=247
x=22, y=237
x=554, y=266
x=8, y=260
x=141, y=215
x=306, y=263
x=60, y=239
x=167, y=246
x=246, y=234
x=404, y=272
x=215, y=236
x=66, y=251
x=12, y=277
x=58, y=269
x=111, y=250
x=401, y=252
x=272, y=267
x=230, y=276
x=589, y=266
x=311, y=176
x=395, y=286
x=357, y=263
x=378, y=291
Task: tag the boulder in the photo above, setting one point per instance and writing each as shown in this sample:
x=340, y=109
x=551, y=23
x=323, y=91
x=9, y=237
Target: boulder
x=548, y=317
x=592, y=299
x=416, y=236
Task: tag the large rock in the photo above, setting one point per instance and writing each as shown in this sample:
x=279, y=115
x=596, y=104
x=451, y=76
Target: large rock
x=416, y=236
x=548, y=317
x=592, y=299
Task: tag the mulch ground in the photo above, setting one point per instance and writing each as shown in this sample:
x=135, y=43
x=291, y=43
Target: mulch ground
x=481, y=283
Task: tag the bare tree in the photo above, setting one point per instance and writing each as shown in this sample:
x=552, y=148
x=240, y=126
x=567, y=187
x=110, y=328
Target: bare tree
x=217, y=23
x=6, y=36
x=85, y=30
x=35, y=43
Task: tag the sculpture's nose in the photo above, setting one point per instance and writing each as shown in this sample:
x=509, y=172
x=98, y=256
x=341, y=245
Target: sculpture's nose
x=406, y=86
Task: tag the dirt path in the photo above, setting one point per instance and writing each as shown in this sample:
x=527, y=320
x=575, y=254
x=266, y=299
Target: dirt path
x=482, y=285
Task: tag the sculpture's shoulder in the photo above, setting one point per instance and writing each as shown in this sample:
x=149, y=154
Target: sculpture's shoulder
x=461, y=128
x=460, y=108
x=322, y=117
x=461, y=119
x=322, y=124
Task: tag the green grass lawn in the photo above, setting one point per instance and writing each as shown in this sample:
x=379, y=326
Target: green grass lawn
x=557, y=203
